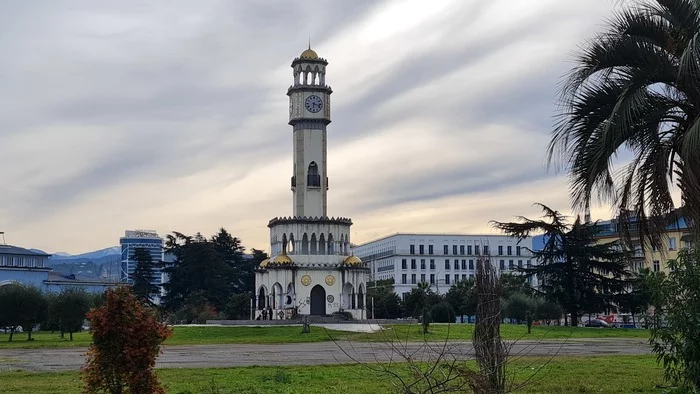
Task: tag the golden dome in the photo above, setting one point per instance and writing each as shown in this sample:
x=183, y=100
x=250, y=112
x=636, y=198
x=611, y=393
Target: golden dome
x=308, y=54
x=263, y=264
x=282, y=259
x=352, y=261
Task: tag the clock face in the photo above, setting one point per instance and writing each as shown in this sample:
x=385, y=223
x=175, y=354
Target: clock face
x=313, y=104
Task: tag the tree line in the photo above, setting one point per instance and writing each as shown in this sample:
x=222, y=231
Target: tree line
x=26, y=307
x=209, y=278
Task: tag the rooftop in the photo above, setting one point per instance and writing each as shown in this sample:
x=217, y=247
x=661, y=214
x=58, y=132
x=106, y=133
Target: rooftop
x=16, y=250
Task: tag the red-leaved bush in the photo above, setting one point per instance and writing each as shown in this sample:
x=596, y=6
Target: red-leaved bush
x=126, y=339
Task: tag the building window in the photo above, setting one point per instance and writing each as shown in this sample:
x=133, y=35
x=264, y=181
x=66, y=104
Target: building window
x=657, y=266
x=476, y=250
x=486, y=250
x=413, y=279
x=464, y=264
x=461, y=250
x=517, y=250
x=422, y=264
x=471, y=264
x=456, y=265
x=672, y=243
x=413, y=249
x=456, y=278
x=447, y=264
x=503, y=265
x=403, y=264
x=403, y=279
x=313, y=178
x=510, y=250
x=520, y=264
x=447, y=279
x=432, y=264
x=529, y=264
x=430, y=249
x=445, y=249
x=413, y=264
x=469, y=250
x=421, y=249
x=464, y=277
x=422, y=278
x=454, y=250
x=500, y=250
x=511, y=265
x=432, y=279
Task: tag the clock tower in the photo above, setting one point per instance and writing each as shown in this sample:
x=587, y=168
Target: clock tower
x=311, y=269
x=309, y=114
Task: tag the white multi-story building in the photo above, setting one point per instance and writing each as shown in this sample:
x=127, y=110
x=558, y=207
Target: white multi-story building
x=441, y=259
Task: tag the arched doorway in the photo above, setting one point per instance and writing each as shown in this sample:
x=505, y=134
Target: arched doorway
x=262, y=297
x=318, y=300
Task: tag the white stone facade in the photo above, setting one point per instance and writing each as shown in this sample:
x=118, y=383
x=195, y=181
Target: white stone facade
x=440, y=259
x=312, y=270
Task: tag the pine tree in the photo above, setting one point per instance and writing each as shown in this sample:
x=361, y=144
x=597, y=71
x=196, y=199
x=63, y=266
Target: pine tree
x=143, y=275
x=576, y=272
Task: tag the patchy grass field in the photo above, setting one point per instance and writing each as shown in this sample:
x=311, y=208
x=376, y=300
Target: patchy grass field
x=599, y=374
x=198, y=335
x=463, y=332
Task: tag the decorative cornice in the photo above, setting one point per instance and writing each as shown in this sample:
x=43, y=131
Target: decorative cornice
x=309, y=219
x=319, y=60
x=309, y=88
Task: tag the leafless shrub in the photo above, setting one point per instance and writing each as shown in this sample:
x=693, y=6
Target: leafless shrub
x=446, y=366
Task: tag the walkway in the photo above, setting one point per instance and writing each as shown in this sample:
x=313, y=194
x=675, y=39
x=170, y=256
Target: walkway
x=238, y=355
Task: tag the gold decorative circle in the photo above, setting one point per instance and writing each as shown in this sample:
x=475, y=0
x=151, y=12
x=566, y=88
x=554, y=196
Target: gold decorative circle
x=306, y=280
x=330, y=280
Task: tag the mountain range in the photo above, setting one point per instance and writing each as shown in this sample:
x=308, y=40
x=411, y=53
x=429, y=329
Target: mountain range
x=103, y=264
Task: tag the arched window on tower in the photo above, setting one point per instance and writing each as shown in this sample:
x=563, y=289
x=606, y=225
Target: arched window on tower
x=321, y=245
x=331, y=247
x=313, y=178
x=305, y=244
x=314, y=246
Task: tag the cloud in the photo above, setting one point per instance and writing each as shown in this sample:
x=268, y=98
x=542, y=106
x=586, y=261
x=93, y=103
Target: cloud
x=172, y=115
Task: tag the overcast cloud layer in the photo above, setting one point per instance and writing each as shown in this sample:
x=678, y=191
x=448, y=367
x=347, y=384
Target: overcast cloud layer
x=172, y=115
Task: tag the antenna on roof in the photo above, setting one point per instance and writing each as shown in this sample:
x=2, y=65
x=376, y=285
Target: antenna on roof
x=309, y=41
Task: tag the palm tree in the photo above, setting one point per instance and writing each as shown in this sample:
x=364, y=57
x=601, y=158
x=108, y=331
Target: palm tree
x=576, y=272
x=636, y=89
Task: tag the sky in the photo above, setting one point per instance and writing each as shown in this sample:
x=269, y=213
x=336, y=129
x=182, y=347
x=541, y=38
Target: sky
x=172, y=115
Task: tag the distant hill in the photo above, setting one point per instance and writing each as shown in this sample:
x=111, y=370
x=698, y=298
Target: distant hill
x=113, y=250
x=103, y=263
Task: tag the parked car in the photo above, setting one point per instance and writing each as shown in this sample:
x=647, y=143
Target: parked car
x=597, y=323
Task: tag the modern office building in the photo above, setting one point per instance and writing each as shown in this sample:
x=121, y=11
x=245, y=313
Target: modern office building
x=440, y=260
x=142, y=239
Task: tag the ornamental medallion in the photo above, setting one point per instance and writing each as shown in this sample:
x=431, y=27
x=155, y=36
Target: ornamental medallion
x=306, y=280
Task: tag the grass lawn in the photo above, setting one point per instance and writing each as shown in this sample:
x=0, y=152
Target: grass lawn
x=292, y=334
x=462, y=332
x=599, y=374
